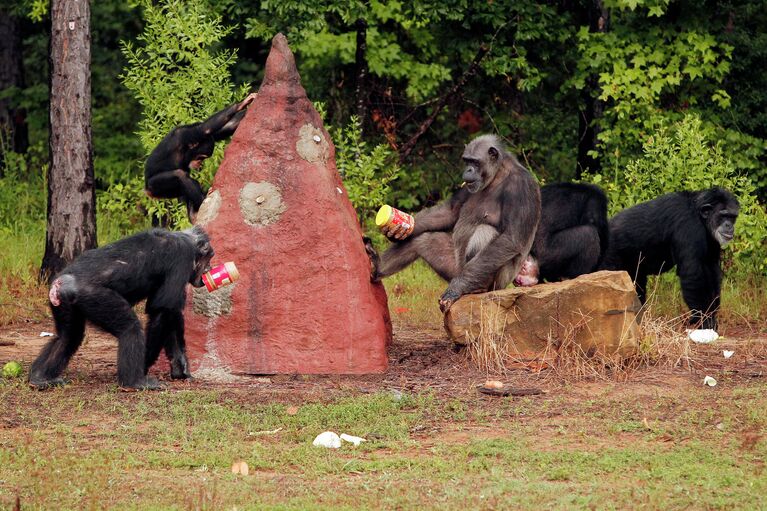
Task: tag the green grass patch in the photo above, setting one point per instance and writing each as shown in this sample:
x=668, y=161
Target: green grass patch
x=104, y=449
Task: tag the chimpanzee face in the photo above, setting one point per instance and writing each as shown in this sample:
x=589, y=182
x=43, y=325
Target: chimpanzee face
x=720, y=219
x=481, y=160
x=204, y=253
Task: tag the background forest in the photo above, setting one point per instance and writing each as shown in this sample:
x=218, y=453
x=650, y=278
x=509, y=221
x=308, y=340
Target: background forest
x=639, y=96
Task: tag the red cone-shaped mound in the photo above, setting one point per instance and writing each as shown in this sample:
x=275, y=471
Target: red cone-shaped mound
x=304, y=302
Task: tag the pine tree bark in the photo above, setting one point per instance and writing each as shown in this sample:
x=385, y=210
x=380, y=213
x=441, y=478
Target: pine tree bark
x=362, y=71
x=71, y=227
x=13, y=125
x=593, y=108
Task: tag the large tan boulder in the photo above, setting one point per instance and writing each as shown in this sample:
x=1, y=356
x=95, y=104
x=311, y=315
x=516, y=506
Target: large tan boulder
x=597, y=311
x=304, y=302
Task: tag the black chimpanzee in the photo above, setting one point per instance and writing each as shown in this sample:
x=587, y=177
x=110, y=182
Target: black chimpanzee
x=103, y=284
x=168, y=167
x=682, y=229
x=572, y=236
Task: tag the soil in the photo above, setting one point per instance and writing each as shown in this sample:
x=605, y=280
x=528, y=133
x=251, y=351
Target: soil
x=420, y=360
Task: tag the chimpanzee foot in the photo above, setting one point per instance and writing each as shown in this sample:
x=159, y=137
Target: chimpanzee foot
x=149, y=383
x=374, y=259
x=45, y=384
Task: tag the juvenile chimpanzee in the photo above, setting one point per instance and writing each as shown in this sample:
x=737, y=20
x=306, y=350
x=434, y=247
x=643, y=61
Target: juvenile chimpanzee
x=682, y=229
x=168, y=167
x=477, y=239
x=103, y=284
x=572, y=236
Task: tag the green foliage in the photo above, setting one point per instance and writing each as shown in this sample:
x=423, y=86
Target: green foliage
x=682, y=158
x=366, y=172
x=178, y=78
x=643, y=66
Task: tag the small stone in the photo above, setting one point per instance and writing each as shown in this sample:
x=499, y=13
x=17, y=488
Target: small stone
x=260, y=199
x=317, y=138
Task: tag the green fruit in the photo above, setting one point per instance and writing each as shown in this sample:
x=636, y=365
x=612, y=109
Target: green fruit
x=12, y=370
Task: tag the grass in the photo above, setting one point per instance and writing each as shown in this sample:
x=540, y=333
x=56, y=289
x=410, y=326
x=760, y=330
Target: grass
x=101, y=449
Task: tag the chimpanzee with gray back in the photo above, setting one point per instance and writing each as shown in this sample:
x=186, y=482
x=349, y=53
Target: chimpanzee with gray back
x=477, y=239
x=103, y=284
x=682, y=229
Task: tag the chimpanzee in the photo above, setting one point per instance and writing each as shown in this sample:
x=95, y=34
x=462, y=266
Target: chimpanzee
x=572, y=236
x=168, y=167
x=682, y=229
x=103, y=284
x=478, y=238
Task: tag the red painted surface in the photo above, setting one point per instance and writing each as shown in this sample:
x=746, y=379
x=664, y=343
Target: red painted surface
x=304, y=302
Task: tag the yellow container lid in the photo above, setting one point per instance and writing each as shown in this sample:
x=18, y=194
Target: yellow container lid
x=383, y=215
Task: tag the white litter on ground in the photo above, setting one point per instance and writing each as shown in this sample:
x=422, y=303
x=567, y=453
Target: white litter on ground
x=703, y=336
x=352, y=439
x=727, y=353
x=708, y=380
x=327, y=439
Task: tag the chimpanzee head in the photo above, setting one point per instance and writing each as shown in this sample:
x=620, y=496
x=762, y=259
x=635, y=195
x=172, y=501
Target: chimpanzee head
x=198, y=150
x=203, y=254
x=719, y=210
x=482, y=157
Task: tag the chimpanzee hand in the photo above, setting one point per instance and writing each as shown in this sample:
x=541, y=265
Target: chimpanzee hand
x=374, y=259
x=394, y=232
x=248, y=100
x=179, y=368
x=447, y=299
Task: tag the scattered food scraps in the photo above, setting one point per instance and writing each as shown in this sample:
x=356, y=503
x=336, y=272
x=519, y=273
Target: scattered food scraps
x=240, y=467
x=12, y=370
x=46, y=334
x=708, y=380
x=728, y=353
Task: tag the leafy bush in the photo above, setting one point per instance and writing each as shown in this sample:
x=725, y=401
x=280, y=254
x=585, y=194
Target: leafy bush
x=178, y=79
x=366, y=172
x=682, y=158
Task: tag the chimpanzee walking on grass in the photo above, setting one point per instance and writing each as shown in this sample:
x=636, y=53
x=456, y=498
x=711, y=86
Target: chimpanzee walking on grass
x=167, y=170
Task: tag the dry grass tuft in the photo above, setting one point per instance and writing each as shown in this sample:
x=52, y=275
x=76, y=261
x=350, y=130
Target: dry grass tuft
x=663, y=343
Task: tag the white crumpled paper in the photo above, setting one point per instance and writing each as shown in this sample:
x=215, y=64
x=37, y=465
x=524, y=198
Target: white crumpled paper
x=703, y=336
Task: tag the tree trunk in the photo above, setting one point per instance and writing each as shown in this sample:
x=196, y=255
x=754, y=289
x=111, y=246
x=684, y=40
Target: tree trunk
x=362, y=72
x=588, y=122
x=71, y=225
x=13, y=124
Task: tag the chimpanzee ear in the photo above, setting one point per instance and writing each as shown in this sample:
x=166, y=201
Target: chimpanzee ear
x=706, y=210
x=493, y=152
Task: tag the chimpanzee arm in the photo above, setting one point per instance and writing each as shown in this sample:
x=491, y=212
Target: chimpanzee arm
x=441, y=217
x=171, y=293
x=222, y=120
x=701, y=281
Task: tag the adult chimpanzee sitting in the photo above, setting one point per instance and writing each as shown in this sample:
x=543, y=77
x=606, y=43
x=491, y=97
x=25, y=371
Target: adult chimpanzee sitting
x=682, y=229
x=103, y=284
x=572, y=236
x=168, y=167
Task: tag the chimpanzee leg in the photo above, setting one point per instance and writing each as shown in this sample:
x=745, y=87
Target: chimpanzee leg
x=176, y=184
x=110, y=311
x=165, y=329
x=436, y=248
x=53, y=359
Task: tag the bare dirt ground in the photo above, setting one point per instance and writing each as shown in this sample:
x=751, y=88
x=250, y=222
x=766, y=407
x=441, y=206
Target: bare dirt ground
x=420, y=360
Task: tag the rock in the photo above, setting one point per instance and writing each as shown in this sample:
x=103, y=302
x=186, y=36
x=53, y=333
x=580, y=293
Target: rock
x=304, y=302
x=597, y=311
